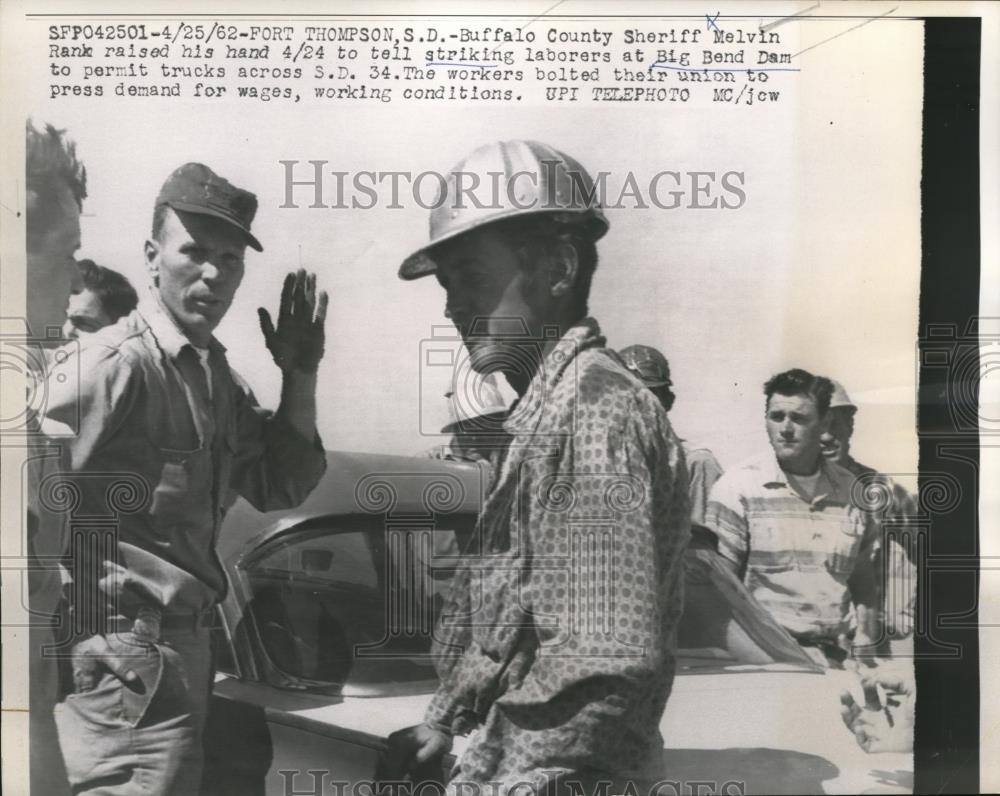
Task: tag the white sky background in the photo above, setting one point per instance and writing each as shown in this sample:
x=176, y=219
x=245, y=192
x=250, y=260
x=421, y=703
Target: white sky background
x=819, y=269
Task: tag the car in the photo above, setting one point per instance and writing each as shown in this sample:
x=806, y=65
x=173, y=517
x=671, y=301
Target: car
x=322, y=649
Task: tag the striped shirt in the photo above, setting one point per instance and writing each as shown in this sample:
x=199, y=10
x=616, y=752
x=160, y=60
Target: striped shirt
x=804, y=560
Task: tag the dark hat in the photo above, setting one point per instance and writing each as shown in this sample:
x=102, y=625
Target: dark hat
x=648, y=364
x=195, y=188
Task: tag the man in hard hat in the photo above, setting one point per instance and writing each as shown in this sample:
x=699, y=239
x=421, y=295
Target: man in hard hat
x=476, y=412
x=704, y=469
x=166, y=437
x=895, y=508
x=788, y=525
x=592, y=465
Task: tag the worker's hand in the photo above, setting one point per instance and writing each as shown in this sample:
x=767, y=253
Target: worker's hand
x=297, y=342
x=884, y=724
x=413, y=748
x=120, y=655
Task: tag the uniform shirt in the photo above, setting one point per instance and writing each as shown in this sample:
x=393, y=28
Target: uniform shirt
x=805, y=560
x=204, y=355
x=558, y=634
x=159, y=462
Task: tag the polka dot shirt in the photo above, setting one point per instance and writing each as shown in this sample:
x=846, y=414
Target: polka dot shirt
x=555, y=646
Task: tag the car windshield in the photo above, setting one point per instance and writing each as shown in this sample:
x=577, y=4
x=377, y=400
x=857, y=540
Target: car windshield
x=354, y=604
x=722, y=624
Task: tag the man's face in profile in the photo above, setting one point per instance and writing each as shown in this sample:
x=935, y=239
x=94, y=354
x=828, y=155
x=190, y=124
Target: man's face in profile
x=493, y=301
x=52, y=272
x=85, y=315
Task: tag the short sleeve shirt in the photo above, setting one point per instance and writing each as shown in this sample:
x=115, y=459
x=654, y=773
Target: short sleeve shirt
x=805, y=560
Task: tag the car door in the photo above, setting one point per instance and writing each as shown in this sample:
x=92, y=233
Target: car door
x=327, y=627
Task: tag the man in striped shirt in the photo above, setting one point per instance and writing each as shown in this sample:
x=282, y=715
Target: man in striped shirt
x=788, y=526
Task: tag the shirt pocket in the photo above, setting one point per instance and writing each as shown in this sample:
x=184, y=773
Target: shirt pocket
x=844, y=546
x=772, y=548
x=183, y=489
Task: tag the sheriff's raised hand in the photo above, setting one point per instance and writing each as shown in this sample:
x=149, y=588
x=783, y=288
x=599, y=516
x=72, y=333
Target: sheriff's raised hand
x=297, y=341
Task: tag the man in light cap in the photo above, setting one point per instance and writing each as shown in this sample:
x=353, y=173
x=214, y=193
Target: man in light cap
x=559, y=702
x=704, y=469
x=476, y=412
x=836, y=440
x=896, y=509
x=166, y=437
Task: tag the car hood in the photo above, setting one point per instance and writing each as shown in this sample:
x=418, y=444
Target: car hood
x=762, y=731
x=774, y=732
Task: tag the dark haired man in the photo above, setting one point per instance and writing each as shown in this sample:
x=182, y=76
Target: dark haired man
x=558, y=700
x=166, y=428
x=787, y=524
x=104, y=297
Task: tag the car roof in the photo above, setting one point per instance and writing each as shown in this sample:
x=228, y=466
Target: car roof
x=364, y=483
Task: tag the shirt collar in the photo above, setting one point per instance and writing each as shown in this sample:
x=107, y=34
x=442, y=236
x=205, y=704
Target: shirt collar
x=168, y=334
x=834, y=480
x=526, y=412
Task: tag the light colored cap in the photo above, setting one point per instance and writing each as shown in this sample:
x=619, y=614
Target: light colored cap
x=839, y=399
x=475, y=404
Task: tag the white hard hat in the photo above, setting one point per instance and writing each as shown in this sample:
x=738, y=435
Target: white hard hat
x=475, y=404
x=509, y=179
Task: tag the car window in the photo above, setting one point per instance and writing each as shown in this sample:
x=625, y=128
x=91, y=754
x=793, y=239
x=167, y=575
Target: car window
x=334, y=605
x=342, y=557
x=337, y=605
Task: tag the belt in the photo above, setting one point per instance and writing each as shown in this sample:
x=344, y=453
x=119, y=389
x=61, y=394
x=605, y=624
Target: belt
x=827, y=646
x=168, y=622
x=189, y=622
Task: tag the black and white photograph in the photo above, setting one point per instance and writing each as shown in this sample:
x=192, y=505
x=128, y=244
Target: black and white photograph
x=499, y=399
